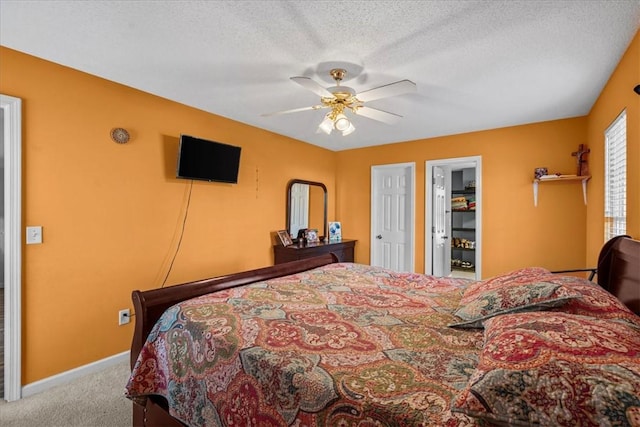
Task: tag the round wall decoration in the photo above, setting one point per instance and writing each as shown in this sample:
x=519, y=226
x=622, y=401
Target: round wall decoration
x=120, y=135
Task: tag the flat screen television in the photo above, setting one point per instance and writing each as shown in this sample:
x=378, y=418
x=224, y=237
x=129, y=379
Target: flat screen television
x=207, y=160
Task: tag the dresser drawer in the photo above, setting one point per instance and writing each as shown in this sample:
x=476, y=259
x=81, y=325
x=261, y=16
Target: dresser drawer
x=344, y=255
x=344, y=250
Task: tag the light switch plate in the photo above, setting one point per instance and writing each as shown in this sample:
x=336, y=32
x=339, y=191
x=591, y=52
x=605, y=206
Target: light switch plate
x=34, y=235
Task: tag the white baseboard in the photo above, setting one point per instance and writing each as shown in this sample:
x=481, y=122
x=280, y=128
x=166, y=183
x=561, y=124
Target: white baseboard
x=65, y=377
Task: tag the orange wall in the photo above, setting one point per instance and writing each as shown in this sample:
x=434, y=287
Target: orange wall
x=515, y=233
x=617, y=95
x=112, y=214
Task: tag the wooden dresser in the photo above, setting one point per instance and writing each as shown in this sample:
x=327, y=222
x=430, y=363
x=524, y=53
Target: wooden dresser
x=343, y=250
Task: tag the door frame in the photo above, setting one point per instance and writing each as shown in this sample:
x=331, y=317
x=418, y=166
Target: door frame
x=410, y=206
x=452, y=163
x=12, y=109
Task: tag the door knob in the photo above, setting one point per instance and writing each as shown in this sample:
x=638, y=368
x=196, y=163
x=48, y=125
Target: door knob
x=379, y=236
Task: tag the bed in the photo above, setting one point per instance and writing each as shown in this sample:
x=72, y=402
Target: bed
x=322, y=343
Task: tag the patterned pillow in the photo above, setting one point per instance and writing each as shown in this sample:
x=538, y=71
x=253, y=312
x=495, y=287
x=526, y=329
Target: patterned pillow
x=594, y=301
x=521, y=290
x=522, y=275
x=555, y=369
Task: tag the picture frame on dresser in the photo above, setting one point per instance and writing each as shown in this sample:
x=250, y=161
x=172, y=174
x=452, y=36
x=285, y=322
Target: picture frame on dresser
x=311, y=235
x=335, y=231
x=284, y=237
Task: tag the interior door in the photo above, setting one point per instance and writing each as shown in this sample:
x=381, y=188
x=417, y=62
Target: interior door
x=392, y=216
x=441, y=254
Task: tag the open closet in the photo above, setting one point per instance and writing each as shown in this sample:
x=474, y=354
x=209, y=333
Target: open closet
x=453, y=224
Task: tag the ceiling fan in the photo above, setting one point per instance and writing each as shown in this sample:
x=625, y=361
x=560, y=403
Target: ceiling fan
x=340, y=99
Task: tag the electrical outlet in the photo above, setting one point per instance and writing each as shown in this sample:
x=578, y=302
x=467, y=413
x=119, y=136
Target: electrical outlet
x=124, y=317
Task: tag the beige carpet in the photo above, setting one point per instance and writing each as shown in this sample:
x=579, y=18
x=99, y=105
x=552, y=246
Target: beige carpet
x=96, y=400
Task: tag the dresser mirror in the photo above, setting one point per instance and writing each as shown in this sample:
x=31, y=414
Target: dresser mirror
x=306, y=207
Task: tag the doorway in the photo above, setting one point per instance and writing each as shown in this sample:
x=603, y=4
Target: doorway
x=393, y=216
x=453, y=217
x=11, y=209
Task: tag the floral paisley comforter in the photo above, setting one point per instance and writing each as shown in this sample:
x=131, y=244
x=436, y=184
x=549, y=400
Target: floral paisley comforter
x=341, y=345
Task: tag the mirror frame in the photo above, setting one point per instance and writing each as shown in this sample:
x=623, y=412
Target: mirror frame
x=302, y=181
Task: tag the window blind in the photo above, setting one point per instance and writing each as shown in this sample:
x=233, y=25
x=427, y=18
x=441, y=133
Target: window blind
x=615, y=190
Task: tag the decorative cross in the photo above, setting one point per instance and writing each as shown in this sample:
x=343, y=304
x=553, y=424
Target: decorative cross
x=583, y=167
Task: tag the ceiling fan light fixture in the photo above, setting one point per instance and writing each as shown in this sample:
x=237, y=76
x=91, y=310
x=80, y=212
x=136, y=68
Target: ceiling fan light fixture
x=342, y=123
x=349, y=130
x=338, y=98
x=327, y=125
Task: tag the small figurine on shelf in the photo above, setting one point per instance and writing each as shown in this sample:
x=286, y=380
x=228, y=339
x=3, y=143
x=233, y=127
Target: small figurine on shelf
x=540, y=172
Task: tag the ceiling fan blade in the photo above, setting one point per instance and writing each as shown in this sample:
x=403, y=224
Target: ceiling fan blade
x=379, y=115
x=313, y=86
x=295, y=110
x=392, y=89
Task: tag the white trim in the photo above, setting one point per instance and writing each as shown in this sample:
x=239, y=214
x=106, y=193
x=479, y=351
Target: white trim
x=428, y=239
x=12, y=108
x=412, y=210
x=81, y=371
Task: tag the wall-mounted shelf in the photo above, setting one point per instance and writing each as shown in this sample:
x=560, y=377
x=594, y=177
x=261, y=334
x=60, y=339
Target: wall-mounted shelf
x=564, y=178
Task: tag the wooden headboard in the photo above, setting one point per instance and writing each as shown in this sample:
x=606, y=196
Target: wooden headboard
x=619, y=272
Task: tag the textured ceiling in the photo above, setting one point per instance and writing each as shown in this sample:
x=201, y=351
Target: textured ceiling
x=477, y=64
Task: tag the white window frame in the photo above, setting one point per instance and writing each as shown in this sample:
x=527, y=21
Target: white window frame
x=615, y=177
